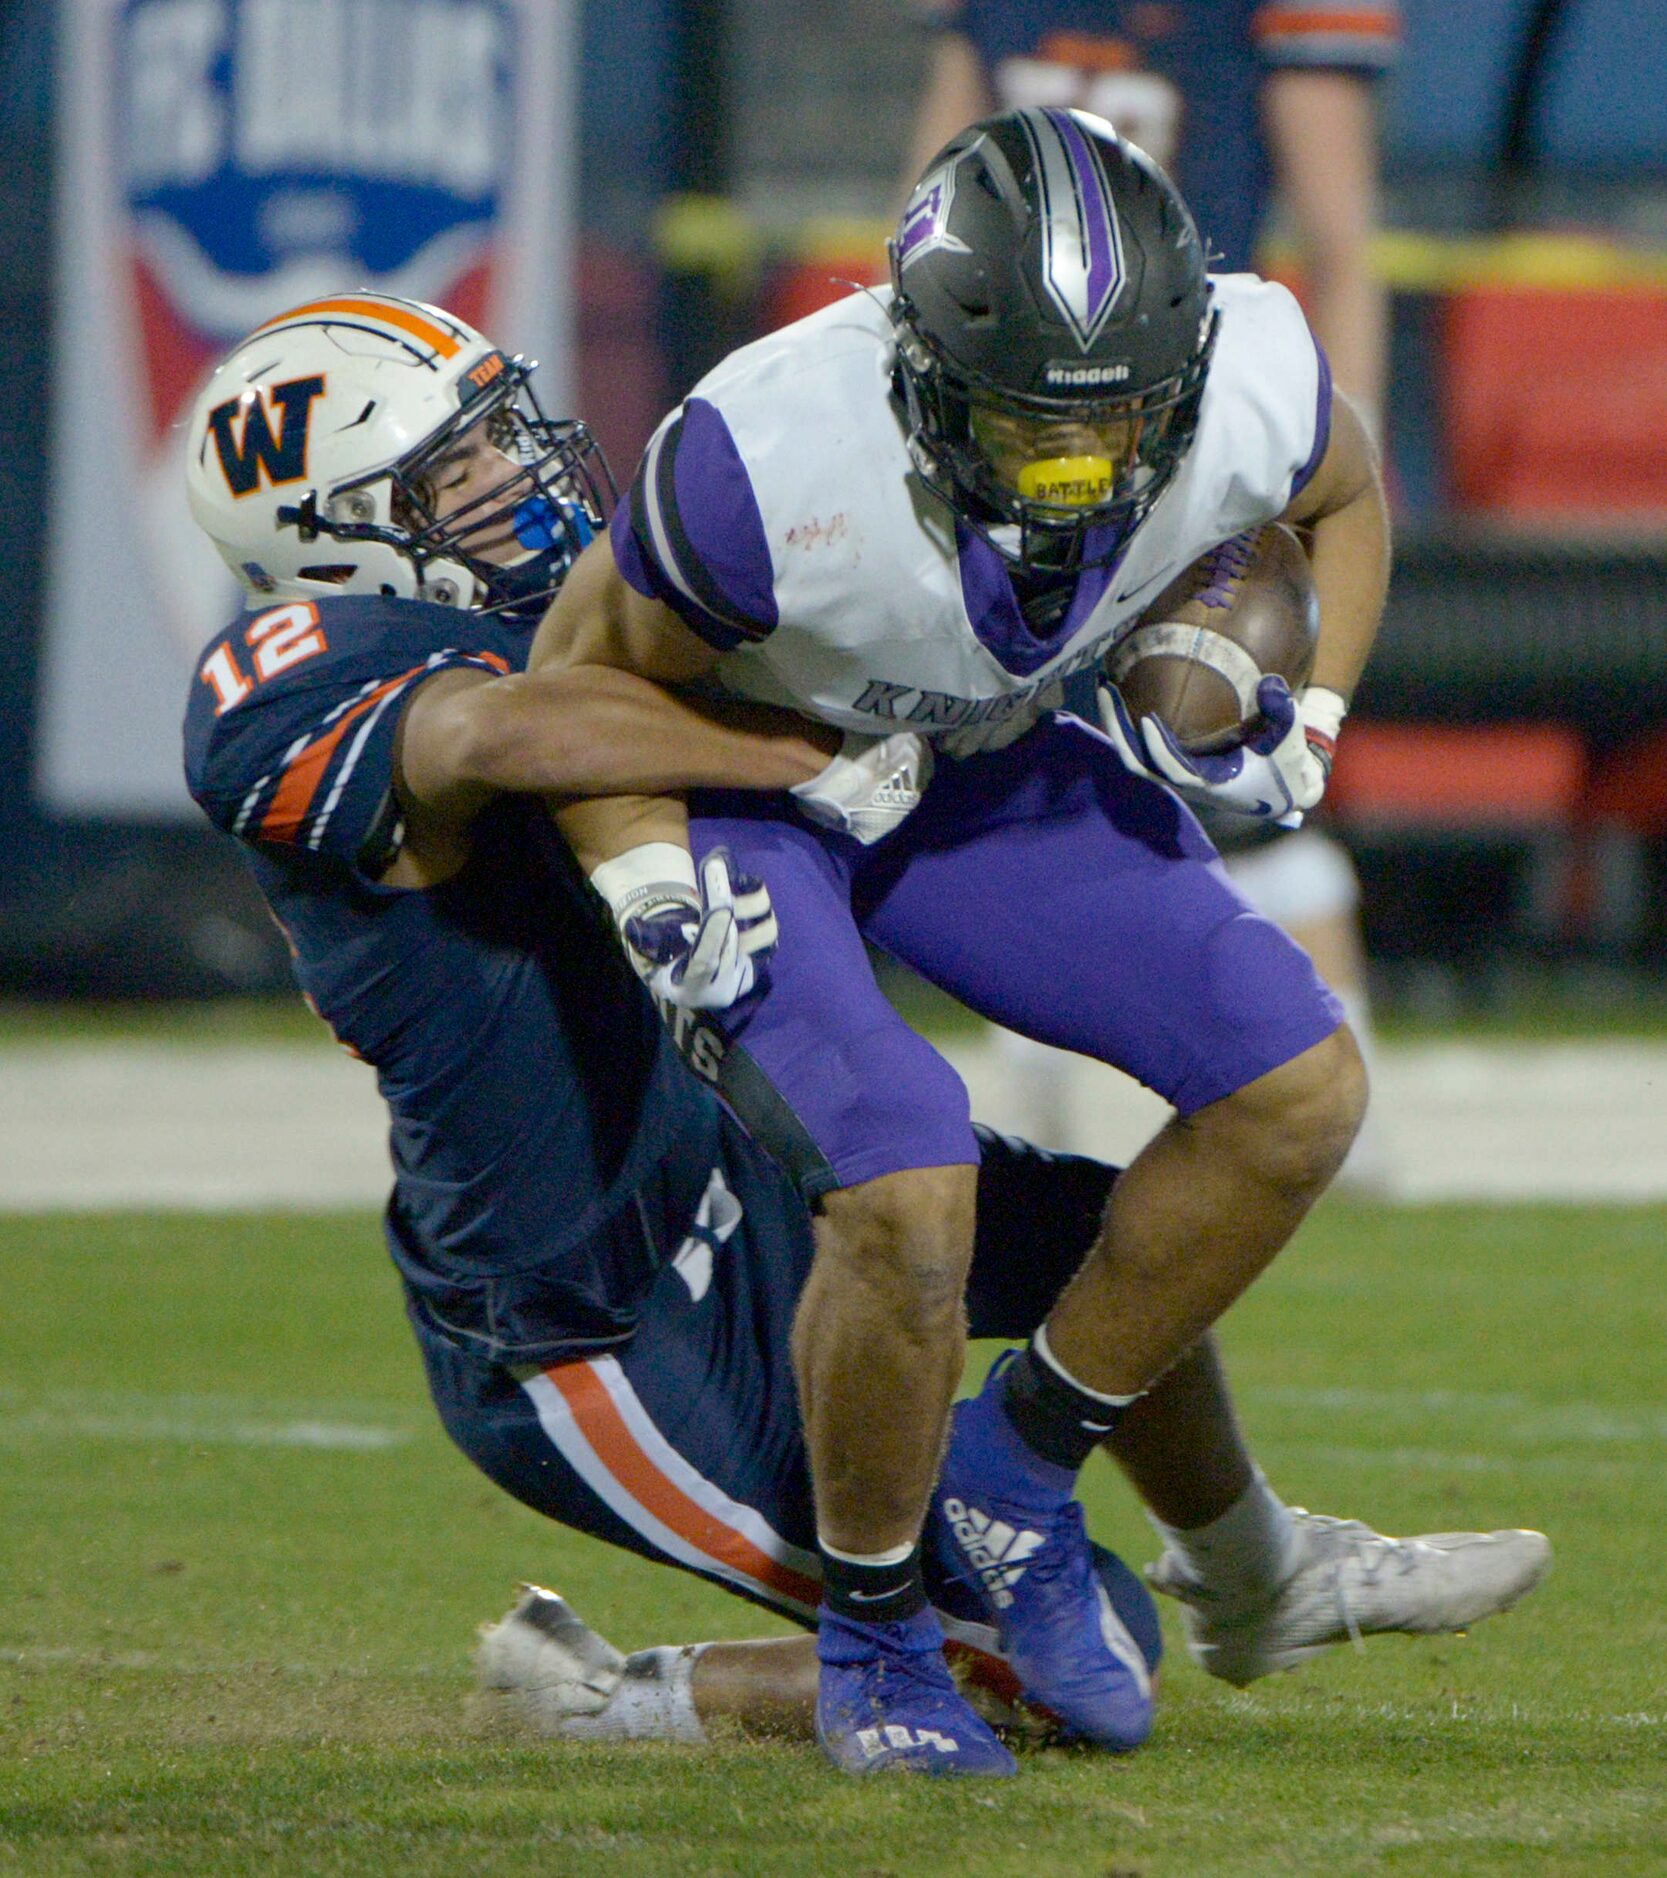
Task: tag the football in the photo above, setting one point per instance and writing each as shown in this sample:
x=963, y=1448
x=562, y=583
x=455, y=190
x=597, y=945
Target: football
x=1245, y=611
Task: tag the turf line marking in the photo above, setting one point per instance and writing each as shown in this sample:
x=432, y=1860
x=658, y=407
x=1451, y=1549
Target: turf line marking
x=265, y=1666
x=1507, y=1414
x=1366, y=1455
x=341, y=1437
x=164, y=1124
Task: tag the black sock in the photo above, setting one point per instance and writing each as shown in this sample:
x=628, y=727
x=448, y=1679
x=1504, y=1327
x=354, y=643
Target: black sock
x=1063, y=1423
x=873, y=1594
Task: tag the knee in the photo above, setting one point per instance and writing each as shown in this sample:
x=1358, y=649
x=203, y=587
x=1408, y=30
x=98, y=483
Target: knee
x=909, y=1235
x=1295, y=1125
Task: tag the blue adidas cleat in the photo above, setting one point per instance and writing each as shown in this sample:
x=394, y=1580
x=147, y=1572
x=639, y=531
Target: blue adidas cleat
x=886, y=1700
x=1004, y=1521
x=984, y=1675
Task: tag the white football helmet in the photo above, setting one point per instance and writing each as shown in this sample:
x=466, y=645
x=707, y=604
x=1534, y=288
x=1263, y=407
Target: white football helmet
x=307, y=451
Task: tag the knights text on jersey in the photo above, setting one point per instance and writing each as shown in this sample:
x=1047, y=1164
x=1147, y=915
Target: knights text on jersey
x=777, y=512
x=1182, y=81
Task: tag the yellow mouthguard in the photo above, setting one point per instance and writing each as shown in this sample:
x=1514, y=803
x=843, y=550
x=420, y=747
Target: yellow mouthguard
x=1067, y=482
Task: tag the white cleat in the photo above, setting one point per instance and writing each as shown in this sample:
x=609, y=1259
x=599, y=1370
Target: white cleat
x=1349, y=1583
x=544, y=1666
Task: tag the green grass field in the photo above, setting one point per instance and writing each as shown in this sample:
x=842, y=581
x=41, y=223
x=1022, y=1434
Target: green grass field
x=242, y=1569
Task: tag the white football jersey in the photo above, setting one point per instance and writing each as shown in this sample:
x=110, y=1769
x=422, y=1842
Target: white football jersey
x=777, y=511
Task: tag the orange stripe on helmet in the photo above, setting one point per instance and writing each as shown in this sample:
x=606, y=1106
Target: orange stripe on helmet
x=351, y=305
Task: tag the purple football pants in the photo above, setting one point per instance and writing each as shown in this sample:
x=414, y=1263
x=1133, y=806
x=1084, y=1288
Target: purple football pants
x=1046, y=888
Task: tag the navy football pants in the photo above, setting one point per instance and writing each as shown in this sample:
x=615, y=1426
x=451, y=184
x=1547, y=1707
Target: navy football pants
x=684, y=1444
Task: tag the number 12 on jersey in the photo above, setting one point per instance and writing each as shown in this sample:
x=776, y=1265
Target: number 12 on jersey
x=279, y=639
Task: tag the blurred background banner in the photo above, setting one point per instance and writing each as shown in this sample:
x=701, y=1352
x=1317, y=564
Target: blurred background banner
x=631, y=188
x=219, y=161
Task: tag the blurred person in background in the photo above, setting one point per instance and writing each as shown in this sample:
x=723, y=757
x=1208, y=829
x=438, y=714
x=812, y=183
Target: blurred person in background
x=1242, y=101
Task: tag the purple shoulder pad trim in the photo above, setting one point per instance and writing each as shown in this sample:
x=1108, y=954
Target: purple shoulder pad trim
x=993, y=608
x=641, y=567
x=692, y=535
x=628, y=554
x=714, y=526
x=1322, y=427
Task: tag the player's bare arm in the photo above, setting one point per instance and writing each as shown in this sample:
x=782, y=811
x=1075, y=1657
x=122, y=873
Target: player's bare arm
x=598, y=618
x=598, y=623
x=599, y=629
x=635, y=846
x=956, y=93
x=468, y=736
x=1347, y=519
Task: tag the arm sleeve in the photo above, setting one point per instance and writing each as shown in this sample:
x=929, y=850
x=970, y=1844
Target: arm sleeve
x=303, y=762
x=689, y=531
x=1345, y=36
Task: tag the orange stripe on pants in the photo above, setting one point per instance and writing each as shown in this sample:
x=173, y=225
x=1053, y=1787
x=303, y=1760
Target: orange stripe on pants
x=620, y=1452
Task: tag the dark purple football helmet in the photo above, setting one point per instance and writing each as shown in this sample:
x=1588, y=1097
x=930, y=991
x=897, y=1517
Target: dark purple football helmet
x=1054, y=329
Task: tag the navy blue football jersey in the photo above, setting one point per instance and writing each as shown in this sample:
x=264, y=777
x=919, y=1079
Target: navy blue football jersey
x=1178, y=77
x=542, y=1123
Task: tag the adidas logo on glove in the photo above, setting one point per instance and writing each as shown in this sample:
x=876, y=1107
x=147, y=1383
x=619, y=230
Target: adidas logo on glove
x=995, y=1550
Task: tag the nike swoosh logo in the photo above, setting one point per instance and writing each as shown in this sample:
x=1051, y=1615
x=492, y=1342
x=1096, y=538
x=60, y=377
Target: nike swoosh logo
x=872, y=1597
x=1139, y=587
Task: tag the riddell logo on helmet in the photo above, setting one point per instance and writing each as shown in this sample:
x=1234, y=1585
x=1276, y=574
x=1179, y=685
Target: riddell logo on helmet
x=1087, y=374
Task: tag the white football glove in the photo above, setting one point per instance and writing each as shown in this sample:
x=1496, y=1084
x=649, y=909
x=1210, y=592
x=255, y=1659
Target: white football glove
x=1278, y=774
x=697, y=948
x=870, y=786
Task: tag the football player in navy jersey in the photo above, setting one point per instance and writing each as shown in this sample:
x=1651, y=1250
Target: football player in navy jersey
x=600, y=1268
x=928, y=509
x=1234, y=98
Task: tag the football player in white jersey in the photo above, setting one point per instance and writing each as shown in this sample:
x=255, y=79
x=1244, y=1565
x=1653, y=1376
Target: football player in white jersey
x=923, y=510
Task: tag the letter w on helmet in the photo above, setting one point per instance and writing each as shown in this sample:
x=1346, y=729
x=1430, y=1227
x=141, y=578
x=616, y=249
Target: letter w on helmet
x=309, y=451
x=281, y=455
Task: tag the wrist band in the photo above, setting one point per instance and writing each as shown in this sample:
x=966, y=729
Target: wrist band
x=1322, y=711
x=655, y=874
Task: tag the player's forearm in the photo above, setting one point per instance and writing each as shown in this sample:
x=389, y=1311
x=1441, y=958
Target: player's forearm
x=1347, y=520
x=605, y=828
x=1350, y=555
x=1322, y=135
x=594, y=731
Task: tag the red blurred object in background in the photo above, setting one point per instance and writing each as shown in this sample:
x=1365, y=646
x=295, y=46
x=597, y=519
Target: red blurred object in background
x=1458, y=775
x=804, y=284
x=1556, y=403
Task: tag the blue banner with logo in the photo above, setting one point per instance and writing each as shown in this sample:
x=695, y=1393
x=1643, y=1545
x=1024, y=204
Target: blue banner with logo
x=221, y=160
